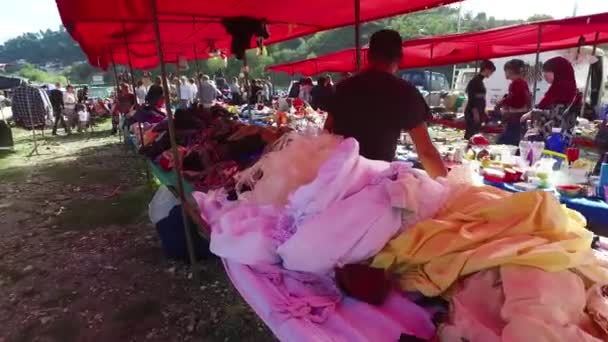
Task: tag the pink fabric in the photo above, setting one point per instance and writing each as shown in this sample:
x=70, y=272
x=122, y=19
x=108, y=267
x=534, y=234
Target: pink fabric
x=243, y=234
x=351, y=321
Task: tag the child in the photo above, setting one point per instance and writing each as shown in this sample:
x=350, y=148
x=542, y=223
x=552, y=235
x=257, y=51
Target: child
x=83, y=117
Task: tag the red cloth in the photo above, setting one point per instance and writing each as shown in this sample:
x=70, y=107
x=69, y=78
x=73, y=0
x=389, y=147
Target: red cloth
x=472, y=46
x=186, y=25
x=563, y=90
x=519, y=95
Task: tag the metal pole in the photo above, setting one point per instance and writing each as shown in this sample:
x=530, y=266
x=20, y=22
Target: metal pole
x=597, y=36
x=198, y=66
x=115, y=71
x=537, y=63
x=29, y=111
x=457, y=31
x=430, y=80
x=124, y=32
x=117, y=92
x=358, y=33
x=176, y=158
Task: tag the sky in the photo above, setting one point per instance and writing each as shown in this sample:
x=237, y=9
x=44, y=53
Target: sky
x=20, y=16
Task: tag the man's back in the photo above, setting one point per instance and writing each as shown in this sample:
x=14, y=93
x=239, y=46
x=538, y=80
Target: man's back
x=208, y=92
x=374, y=107
x=56, y=97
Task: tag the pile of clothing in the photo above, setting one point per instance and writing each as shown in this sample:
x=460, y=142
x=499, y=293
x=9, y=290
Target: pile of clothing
x=313, y=214
x=213, y=144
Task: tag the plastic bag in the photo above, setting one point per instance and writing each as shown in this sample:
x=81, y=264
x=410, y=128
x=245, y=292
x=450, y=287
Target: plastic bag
x=161, y=204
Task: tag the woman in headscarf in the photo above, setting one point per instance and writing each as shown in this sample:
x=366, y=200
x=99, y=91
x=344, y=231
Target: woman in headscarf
x=561, y=104
x=515, y=104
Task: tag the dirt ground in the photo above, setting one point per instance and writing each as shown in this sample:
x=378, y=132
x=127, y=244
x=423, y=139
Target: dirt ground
x=80, y=261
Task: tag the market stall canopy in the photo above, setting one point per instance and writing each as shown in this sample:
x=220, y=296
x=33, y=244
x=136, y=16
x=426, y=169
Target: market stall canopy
x=467, y=47
x=96, y=25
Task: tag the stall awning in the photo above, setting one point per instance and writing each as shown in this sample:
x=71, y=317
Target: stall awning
x=467, y=47
x=95, y=25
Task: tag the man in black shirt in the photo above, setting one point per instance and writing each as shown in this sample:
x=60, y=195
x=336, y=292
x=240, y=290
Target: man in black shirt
x=476, y=103
x=56, y=98
x=375, y=106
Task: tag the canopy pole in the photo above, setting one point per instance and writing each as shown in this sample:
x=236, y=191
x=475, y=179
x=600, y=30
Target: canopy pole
x=358, y=33
x=29, y=111
x=176, y=158
x=124, y=33
x=115, y=71
x=140, y=128
x=597, y=36
x=196, y=61
x=477, y=66
x=117, y=90
x=537, y=63
x=248, y=86
x=430, y=78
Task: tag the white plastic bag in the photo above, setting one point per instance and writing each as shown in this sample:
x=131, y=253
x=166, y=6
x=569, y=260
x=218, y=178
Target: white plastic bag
x=161, y=204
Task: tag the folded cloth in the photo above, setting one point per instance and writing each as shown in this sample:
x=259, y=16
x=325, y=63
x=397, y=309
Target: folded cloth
x=519, y=303
x=483, y=227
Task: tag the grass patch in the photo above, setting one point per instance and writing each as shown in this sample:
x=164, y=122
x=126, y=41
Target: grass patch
x=13, y=175
x=136, y=311
x=124, y=209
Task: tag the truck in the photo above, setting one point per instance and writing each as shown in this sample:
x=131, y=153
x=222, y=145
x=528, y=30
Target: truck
x=497, y=85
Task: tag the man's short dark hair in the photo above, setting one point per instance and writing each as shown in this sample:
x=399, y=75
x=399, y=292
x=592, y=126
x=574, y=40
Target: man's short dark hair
x=385, y=47
x=487, y=65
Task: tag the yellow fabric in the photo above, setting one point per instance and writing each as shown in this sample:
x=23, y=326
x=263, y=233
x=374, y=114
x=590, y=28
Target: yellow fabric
x=483, y=227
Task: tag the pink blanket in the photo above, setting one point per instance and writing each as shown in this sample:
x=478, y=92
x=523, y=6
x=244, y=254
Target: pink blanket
x=350, y=320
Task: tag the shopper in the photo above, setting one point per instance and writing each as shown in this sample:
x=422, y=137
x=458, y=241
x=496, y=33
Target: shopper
x=193, y=90
x=475, y=110
x=155, y=92
x=69, y=106
x=375, y=106
x=515, y=103
x=208, y=92
x=56, y=98
x=235, y=92
x=185, y=93
x=140, y=93
x=562, y=102
x=306, y=90
x=125, y=103
x=320, y=93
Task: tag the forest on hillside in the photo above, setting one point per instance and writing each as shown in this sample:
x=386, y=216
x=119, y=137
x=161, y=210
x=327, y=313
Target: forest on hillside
x=57, y=46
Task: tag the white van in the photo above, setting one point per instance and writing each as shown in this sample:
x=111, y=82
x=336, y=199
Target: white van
x=497, y=85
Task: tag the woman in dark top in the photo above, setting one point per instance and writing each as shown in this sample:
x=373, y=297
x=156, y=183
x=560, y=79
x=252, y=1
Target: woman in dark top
x=515, y=104
x=476, y=103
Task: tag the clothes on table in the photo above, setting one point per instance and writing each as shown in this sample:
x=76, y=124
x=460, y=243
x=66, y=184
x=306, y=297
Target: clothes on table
x=483, y=227
x=519, y=303
x=294, y=160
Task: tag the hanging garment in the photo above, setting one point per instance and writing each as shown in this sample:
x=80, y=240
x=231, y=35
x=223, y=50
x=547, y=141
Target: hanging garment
x=483, y=227
x=29, y=108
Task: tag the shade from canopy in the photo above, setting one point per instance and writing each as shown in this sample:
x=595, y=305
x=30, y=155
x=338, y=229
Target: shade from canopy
x=467, y=47
x=95, y=25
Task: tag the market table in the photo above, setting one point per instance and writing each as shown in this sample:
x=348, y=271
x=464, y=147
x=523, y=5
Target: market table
x=594, y=210
x=579, y=141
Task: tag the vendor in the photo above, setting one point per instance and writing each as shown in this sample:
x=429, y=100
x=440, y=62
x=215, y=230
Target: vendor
x=514, y=104
x=561, y=103
x=475, y=111
x=375, y=106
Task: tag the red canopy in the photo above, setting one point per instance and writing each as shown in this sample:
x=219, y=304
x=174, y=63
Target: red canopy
x=466, y=47
x=96, y=25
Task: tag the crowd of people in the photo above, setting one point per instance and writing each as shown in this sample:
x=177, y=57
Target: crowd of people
x=558, y=108
x=70, y=105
